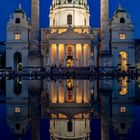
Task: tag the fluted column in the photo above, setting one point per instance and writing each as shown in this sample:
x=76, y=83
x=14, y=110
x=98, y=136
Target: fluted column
x=89, y=55
x=65, y=55
x=50, y=54
x=83, y=55
x=104, y=26
x=75, y=60
x=57, y=54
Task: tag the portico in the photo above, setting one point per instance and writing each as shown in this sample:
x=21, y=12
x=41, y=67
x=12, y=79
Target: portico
x=69, y=49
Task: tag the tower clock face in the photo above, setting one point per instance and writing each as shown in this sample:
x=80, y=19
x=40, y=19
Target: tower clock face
x=69, y=1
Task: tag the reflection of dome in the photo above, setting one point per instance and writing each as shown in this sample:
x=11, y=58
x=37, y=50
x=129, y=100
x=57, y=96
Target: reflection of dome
x=69, y=129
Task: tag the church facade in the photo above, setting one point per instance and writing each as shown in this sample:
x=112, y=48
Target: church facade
x=70, y=41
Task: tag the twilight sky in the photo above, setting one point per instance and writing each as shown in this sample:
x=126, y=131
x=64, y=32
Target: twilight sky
x=8, y=6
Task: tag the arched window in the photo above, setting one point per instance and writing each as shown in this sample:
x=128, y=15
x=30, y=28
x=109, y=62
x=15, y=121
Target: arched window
x=69, y=19
x=17, y=86
x=17, y=126
x=17, y=61
x=17, y=20
x=69, y=1
x=70, y=126
x=124, y=87
x=122, y=20
x=123, y=60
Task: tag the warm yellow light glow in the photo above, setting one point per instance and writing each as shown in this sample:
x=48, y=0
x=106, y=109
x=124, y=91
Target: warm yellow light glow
x=17, y=110
x=62, y=116
x=61, y=54
x=69, y=94
x=53, y=30
x=122, y=36
x=70, y=84
x=53, y=53
x=122, y=109
x=62, y=30
x=61, y=93
x=17, y=36
x=124, y=86
x=124, y=59
x=54, y=92
x=79, y=91
x=78, y=30
x=86, y=91
x=86, y=30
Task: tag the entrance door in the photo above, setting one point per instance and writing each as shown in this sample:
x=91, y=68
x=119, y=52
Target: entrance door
x=70, y=61
x=17, y=61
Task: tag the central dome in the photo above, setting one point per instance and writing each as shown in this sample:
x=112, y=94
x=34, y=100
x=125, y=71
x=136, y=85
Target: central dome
x=69, y=12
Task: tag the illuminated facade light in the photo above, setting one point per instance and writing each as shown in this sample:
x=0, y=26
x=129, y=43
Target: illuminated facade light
x=122, y=109
x=122, y=36
x=17, y=36
x=17, y=110
x=124, y=86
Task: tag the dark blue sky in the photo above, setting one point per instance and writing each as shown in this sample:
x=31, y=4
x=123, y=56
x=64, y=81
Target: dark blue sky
x=8, y=6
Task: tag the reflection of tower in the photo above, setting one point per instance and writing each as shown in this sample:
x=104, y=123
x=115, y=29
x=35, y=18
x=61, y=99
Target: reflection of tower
x=105, y=91
x=17, y=106
x=69, y=107
x=34, y=89
x=123, y=99
x=105, y=52
x=138, y=90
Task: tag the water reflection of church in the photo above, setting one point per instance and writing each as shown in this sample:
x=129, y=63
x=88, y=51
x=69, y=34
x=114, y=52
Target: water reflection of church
x=70, y=105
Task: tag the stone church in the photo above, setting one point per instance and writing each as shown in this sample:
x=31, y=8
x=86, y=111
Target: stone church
x=70, y=41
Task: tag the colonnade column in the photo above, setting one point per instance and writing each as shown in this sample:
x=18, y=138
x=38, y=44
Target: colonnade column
x=57, y=92
x=89, y=54
x=57, y=56
x=75, y=91
x=64, y=55
x=75, y=59
x=50, y=54
x=65, y=91
x=82, y=91
x=83, y=55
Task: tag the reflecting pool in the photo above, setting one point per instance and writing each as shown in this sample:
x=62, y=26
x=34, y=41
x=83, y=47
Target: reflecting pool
x=69, y=109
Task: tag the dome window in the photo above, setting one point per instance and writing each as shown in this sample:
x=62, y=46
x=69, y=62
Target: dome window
x=70, y=126
x=69, y=19
x=17, y=20
x=122, y=20
x=69, y=1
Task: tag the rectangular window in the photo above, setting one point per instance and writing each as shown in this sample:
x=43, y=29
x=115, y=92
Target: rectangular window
x=122, y=36
x=122, y=109
x=17, y=36
x=17, y=110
